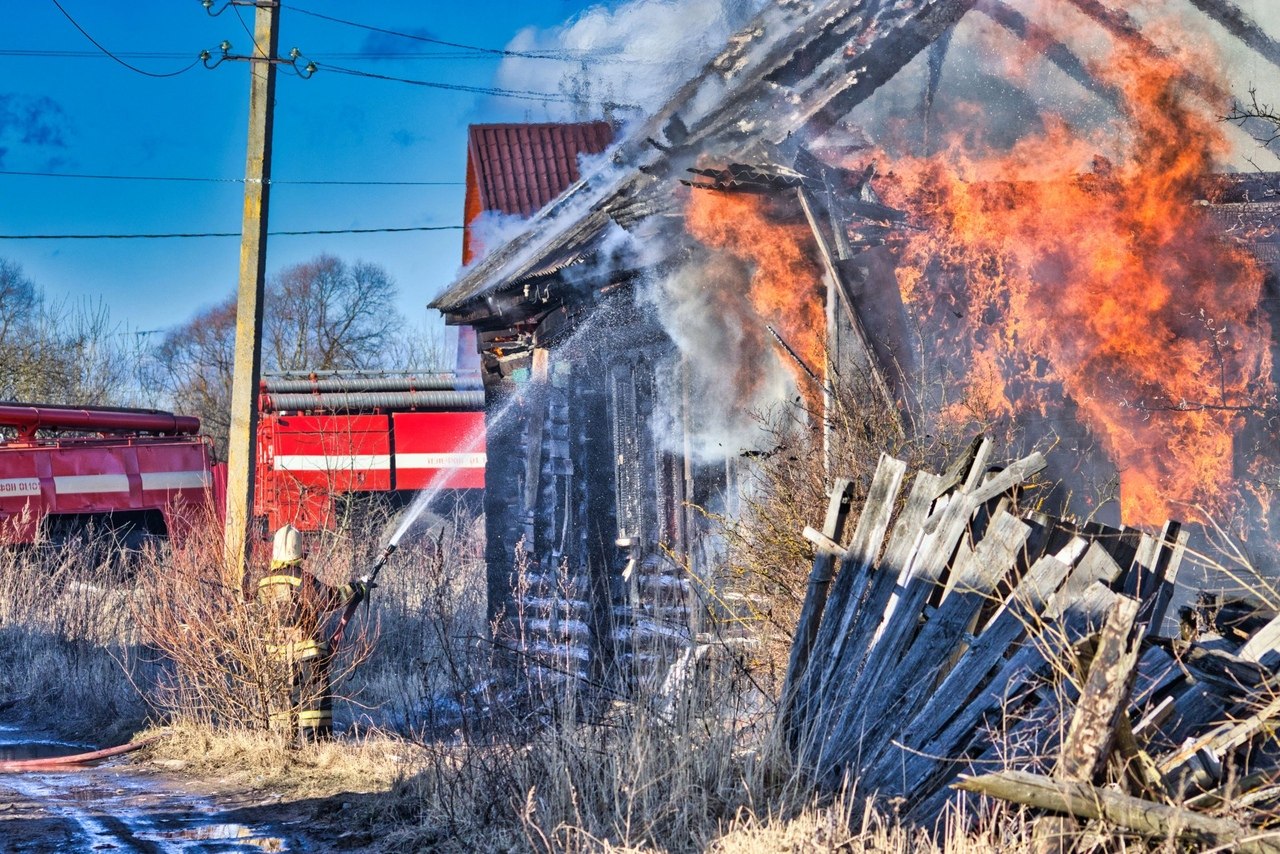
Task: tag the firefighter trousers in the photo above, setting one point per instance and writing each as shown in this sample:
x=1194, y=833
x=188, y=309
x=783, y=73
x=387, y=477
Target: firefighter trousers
x=307, y=710
x=313, y=699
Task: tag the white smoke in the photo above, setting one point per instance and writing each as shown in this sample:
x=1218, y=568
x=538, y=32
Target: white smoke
x=492, y=229
x=985, y=68
x=625, y=61
x=734, y=379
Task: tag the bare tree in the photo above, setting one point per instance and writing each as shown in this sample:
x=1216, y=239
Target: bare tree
x=320, y=315
x=17, y=307
x=420, y=348
x=17, y=299
x=197, y=361
x=69, y=352
x=1260, y=120
x=327, y=315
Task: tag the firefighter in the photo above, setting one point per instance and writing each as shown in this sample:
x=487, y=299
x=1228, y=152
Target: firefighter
x=298, y=602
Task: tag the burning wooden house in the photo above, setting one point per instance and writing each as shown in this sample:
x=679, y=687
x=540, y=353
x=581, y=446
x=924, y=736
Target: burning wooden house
x=750, y=244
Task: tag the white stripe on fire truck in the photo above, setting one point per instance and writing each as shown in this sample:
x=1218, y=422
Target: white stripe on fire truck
x=11, y=486
x=79, y=484
x=440, y=461
x=341, y=462
x=197, y=479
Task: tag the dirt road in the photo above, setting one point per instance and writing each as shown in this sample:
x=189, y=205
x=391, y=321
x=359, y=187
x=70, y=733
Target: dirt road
x=121, y=807
x=109, y=809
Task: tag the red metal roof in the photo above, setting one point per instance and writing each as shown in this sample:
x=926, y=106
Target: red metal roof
x=518, y=168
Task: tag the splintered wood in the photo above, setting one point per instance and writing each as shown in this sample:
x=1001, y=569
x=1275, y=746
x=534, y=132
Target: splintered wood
x=954, y=638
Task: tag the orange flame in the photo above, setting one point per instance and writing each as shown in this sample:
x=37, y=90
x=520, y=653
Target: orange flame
x=1111, y=287
x=784, y=288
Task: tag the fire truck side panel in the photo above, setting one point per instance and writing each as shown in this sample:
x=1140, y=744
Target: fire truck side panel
x=100, y=477
x=444, y=450
x=23, y=496
x=306, y=459
x=178, y=479
x=95, y=480
x=336, y=453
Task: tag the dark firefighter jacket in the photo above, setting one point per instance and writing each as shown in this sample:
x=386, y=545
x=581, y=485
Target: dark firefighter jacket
x=298, y=602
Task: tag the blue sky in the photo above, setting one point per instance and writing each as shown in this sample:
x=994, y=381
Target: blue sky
x=67, y=108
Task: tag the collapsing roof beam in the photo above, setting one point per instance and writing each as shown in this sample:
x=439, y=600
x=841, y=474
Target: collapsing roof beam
x=1242, y=27
x=872, y=54
x=865, y=356
x=1122, y=27
x=797, y=64
x=937, y=57
x=1052, y=49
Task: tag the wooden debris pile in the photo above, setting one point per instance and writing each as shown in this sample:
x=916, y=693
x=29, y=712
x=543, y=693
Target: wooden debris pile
x=955, y=636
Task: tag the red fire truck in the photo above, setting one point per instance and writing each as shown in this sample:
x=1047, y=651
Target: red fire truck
x=325, y=443
x=135, y=473
x=326, y=440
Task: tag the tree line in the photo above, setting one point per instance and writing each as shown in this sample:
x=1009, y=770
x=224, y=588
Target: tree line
x=320, y=315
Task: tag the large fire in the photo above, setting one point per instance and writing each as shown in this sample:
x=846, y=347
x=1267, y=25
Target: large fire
x=1071, y=276
x=1106, y=283
x=784, y=288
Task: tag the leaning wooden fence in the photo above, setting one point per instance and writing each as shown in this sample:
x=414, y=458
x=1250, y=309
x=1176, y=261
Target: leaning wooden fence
x=953, y=641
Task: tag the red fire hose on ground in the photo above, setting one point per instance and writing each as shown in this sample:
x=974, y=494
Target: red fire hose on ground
x=67, y=763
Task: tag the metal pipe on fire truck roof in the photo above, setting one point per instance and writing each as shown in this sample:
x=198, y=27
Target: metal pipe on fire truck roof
x=29, y=419
x=422, y=382
x=421, y=401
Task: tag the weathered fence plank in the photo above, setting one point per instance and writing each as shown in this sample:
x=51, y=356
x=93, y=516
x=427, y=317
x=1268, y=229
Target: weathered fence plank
x=1089, y=802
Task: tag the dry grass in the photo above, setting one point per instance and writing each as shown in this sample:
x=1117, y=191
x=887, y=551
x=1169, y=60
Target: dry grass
x=257, y=760
x=471, y=766
x=68, y=652
x=166, y=638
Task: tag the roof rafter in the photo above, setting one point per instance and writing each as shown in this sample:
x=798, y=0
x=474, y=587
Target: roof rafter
x=811, y=62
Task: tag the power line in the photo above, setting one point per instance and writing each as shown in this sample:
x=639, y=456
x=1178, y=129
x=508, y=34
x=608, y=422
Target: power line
x=252, y=37
x=227, y=233
x=143, y=54
x=185, y=179
x=456, y=87
x=557, y=55
x=132, y=68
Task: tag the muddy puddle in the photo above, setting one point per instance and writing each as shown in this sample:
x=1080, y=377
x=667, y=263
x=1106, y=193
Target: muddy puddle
x=113, y=807
x=36, y=750
x=16, y=744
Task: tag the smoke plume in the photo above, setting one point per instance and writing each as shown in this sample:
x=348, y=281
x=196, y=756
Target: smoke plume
x=622, y=62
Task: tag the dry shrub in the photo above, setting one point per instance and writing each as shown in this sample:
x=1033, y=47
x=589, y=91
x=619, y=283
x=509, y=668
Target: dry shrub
x=767, y=562
x=430, y=610
x=408, y=656
x=216, y=641
x=659, y=774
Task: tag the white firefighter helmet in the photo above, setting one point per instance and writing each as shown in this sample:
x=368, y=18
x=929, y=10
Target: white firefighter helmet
x=287, y=547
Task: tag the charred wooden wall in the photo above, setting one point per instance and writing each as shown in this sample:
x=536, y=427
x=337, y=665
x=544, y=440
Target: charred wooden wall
x=584, y=503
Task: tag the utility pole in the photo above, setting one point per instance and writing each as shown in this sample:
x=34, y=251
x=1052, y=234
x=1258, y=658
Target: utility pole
x=253, y=268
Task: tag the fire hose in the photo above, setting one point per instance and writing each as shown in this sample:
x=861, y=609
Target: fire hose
x=367, y=580
x=63, y=763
